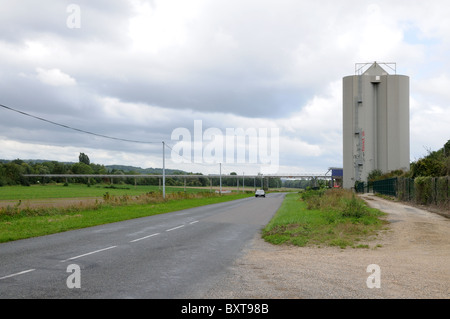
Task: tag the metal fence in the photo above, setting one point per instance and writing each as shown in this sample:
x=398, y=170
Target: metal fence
x=386, y=186
x=421, y=190
x=406, y=189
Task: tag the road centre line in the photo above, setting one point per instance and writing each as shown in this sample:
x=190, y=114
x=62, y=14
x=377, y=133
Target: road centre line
x=95, y=251
x=17, y=274
x=138, y=239
x=145, y=237
x=174, y=228
x=90, y=253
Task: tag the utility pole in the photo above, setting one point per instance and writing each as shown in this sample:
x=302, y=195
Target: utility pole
x=220, y=178
x=164, y=170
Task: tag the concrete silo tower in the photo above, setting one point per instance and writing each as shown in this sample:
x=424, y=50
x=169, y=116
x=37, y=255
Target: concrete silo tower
x=375, y=122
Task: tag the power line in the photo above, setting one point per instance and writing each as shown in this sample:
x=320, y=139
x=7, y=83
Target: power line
x=100, y=135
x=182, y=156
x=95, y=134
x=74, y=128
x=84, y=131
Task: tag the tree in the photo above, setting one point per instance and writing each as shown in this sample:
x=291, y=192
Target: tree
x=83, y=158
x=13, y=173
x=374, y=175
x=82, y=168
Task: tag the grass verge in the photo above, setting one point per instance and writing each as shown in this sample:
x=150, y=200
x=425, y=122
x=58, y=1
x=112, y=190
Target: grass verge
x=20, y=223
x=332, y=217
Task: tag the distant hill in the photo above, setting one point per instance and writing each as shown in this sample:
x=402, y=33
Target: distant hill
x=110, y=168
x=31, y=161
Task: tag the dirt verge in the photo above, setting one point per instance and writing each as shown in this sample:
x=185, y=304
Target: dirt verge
x=413, y=256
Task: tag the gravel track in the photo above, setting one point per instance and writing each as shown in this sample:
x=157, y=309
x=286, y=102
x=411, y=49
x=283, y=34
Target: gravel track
x=414, y=259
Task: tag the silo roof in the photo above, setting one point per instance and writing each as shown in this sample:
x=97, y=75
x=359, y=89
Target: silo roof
x=375, y=69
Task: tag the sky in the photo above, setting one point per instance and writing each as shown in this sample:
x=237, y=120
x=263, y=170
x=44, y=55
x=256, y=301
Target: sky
x=184, y=72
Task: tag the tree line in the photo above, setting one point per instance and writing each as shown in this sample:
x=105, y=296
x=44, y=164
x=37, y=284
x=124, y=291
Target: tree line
x=434, y=164
x=305, y=183
x=426, y=183
x=12, y=173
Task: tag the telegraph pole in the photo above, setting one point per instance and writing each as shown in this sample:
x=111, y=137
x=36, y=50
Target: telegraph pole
x=164, y=170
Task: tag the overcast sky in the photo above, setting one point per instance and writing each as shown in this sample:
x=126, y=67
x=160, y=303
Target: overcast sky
x=140, y=70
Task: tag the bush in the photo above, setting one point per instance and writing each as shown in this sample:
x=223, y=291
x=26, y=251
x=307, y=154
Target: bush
x=374, y=175
x=354, y=208
x=442, y=190
x=312, y=198
x=423, y=189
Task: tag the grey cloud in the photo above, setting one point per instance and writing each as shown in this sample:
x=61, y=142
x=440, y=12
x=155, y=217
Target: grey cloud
x=247, y=60
x=28, y=19
x=211, y=95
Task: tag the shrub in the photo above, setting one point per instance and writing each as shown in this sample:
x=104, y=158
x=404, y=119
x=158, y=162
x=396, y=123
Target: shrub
x=442, y=190
x=374, y=175
x=312, y=198
x=423, y=190
x=354, y=208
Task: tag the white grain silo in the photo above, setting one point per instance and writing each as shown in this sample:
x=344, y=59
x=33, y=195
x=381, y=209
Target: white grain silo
x=375, y=122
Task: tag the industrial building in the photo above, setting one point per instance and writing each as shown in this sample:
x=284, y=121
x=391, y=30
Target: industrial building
x=375, y=121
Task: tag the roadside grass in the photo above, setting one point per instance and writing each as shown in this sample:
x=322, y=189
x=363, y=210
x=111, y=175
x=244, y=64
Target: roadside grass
x=20, y=223
x=332, y=217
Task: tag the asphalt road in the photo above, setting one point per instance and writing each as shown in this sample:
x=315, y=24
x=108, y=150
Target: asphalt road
x=176, y=255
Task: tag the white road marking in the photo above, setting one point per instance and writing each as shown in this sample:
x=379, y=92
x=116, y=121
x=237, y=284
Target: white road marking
x=92, y=252
x=138, y=239
x=135, y=240
x=175, y=228
x=17, y=274
x=96, y=251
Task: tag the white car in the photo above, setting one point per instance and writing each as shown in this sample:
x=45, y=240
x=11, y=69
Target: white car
x=260, y=193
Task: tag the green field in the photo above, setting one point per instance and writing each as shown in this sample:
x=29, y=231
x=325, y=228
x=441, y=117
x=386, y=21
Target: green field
x=118, y=204
x=81, y=190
